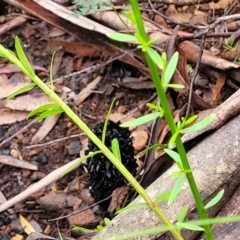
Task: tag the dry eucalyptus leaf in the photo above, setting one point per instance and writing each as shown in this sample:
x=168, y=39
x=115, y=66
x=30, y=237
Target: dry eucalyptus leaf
x=8, y=116
x=28, y=228
x=117, y=199
x=27, y=102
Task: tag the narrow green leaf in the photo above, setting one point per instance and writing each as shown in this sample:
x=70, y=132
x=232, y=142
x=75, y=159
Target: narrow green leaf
x=155, y=107
x=174, y=86
x=21, y=90
x=156, y=58
x=154, y=146
x=106, y=221
x=175, y=156
x=182, y=214
x=106, y=120
x=50, y=112
x=190, y=226
x=176, y=188
x=141, y=120
x=42, y=109
x=121, y=37
x=99, y=227
x=173, y=139
x=140, y=39
x=151, y=41
x=116, y=149
x=176, y=174
x=131, y=206
x=190, y=120
x=162, y=197
x=86, y=230
x=12, y=58
x=171, y=67
x=51, y=68
x=215, y=200
x=200, y=125
x=22, y=57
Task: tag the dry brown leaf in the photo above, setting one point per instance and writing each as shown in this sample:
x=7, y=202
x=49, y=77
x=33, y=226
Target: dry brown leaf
x=79, y=98
x=198, y=19
x=231, y=55
x=28, y=228
x=8, y=89
x=78, y=49
x=17, y=237
x=180, y=18
x=84, y=146
x=8, y=116
x=136, y=83
x=221, y=4
x=27, y=102
x=217, y=98
x=46, y=127
x=117, y=199
x=10, y=68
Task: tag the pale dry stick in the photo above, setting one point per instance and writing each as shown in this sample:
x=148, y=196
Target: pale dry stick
x=50, y=178
x=55, y=141
x=217, y=21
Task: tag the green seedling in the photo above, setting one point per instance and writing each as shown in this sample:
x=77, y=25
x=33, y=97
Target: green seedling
x=97, y=229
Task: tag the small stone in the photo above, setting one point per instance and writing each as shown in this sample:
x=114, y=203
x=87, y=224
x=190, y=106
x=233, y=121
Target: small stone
x=14, y=153
x=74, y=148
x=140, y=139
x=53, y=201
x=71, y=200
x=42, y=158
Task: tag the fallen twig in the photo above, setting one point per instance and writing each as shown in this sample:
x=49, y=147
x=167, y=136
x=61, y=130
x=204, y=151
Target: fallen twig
x=50, y=178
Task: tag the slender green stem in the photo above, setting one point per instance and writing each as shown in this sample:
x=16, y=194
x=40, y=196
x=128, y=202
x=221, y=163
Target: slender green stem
x=170, y=121
x=129, y=177
x=107, y=153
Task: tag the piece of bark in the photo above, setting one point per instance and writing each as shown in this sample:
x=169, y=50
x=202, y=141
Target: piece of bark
x=191, y=51
x=215, y=165
x=228, y=231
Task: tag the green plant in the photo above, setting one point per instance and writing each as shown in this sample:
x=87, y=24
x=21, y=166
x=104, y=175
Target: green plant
x=160, y=109
x=154, y=60
x=189, y=69
x=58, y=106
x=232, y=46
x=99, y=228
